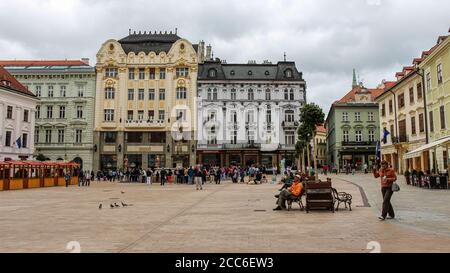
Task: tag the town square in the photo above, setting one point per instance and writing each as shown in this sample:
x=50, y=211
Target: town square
x=225, y=128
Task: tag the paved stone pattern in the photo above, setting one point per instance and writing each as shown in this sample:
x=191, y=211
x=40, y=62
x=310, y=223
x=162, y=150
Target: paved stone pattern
x=221, y=218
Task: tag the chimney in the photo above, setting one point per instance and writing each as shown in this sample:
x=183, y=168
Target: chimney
x=208, y=52
x=201, y=51
x=85, y=60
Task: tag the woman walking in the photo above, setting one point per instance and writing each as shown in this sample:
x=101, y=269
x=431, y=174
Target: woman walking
x=388, y=177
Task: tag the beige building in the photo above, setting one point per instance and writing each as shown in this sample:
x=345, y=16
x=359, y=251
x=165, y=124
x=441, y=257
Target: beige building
x=402, y=114
x=146, y=90
x=321, y=145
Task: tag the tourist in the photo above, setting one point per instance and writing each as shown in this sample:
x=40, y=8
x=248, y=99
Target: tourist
x=242, y=175
x=191, y=174
x=80, y=177
x=198, y=178
x=293, y=192
x=67, y=179
x=388, y=177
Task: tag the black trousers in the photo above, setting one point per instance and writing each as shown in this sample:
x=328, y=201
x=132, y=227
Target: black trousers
x=387, y=206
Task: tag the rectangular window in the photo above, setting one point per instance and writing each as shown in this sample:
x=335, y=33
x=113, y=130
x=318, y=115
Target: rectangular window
x=411, y=95
x=36, y=135
x=9, y=112
x=419, y=91
x=268, y=94
x=233, y=137
x=78, y=136
x=109, y=93
x=157, y=137
x=50, y=91
x=181, y=93
x=269, y=116
x=401, y=100
x=130, y=94
x=286, y=94
x=421, y=123
x=233, y=94
x=140, y=115
x=131, y=73
x=151, y=115
x=49, y=111
x=141, y=94
x=392, y=131
x=48, y=136
x=383, y=109
x=181, y=114
x=152, y=74
x=413, y=125
x=357, y=116
x=251, y=137
x=110, y=137
x=61, y=136
x=358, y=136
x=162, y=73
x=431, y=121
x=345, y=116
x=371, y=135
x=370, y=116
x=130, y=115
x=439, y=73
x=79, y=111
x=81, y=91
x=162, y=94
x=25, y=115
x=151, y=94
x=141, y=73
x=291, y=94
x=233, y=117
x=62, y=91
x=38, y=91
x=442, y=114
x=133, y=137
x=289, y=138
x=289, y=115
x=37, y=114
x=62, y=112
x=345, y=136
x=109, y=114
x=391, y=107
x=428, y=81
x=251, y=94
x=161, y=116
x=8, y=139
x=111, y=72
x=182, y=72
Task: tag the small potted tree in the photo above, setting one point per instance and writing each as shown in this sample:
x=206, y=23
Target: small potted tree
x=407, y=177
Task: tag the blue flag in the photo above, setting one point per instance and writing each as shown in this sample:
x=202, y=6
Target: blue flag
x=377, y=151
x=385, y=134
x=19, y=143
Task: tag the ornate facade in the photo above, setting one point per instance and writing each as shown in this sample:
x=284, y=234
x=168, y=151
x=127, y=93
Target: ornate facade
x=64, y=114
x=248, y=113
x=146, y=84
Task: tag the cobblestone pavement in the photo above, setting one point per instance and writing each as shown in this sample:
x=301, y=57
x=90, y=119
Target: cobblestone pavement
x=220, y=218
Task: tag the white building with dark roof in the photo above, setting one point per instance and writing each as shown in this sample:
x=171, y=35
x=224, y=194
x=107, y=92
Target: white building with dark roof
x=17, y=107
x=249, y=113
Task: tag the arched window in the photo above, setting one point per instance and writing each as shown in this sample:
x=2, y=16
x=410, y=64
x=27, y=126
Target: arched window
x=209, y=95
x=212, y=73
x=182, y=46
x=181, y=93
x=288, y=73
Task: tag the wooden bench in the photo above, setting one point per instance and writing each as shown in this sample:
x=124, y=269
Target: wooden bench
x=319, y=196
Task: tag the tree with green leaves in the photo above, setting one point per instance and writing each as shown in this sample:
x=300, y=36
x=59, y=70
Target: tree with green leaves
x=311, y=116
x=41, y=157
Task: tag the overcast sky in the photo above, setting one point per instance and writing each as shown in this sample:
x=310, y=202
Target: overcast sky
x=326, y=38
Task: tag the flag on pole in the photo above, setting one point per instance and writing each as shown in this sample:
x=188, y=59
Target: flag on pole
x=377, y=151
x=385, y=134
x=19, y=143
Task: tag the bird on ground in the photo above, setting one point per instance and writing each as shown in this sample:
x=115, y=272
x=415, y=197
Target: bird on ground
x=124, y=205
x=100, y=206
x=122, y=192
x=111, y=206
x=115, y=204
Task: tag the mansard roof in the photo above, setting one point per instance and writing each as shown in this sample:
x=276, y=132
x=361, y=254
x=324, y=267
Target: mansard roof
x=147, y=42
x=249, y=72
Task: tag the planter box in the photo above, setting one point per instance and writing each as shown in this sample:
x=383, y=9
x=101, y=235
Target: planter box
x=34, y=183
x=1, y=185
x=49, y=182
x=61, y=181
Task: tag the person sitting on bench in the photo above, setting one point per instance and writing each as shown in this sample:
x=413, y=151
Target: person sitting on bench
x=293, y=192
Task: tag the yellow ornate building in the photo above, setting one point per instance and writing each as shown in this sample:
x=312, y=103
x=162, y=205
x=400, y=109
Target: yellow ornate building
x=145, y=97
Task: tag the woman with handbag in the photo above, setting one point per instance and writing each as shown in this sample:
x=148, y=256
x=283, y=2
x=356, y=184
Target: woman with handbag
x=388, y=186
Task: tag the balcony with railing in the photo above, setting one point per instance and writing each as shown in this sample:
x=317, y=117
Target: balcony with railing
x=144, y=123
x=287, y=124
x=358, y=143
x=249, y=145
x=400, y=139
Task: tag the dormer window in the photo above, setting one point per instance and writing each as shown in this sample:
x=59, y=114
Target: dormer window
x=232, y=72
x=250, y=73
x=182, y=46
x=288, y=73
x=267, y=73
x=212, y=73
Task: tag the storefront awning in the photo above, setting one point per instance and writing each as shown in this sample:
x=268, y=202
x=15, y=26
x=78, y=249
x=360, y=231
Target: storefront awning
x=418, y=152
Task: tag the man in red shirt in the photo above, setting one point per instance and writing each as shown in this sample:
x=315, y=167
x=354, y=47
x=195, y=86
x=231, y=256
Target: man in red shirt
x=388, y=177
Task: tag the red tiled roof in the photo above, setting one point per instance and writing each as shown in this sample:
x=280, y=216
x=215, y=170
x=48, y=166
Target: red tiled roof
x=389, y=84
x=321, y=129
x=42, y=63
x=351, y=94
x=8, y=81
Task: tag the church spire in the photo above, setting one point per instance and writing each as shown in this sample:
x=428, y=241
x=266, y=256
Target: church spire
x=355, y=82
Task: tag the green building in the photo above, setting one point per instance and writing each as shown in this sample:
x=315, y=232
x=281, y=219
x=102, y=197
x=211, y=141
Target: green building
x=65, y=112
x=353, y=128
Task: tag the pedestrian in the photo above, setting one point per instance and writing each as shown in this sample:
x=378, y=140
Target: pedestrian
x=388, y=177
x=88, y=178
x=80, y=177
x=198, y=178
x=67, y=179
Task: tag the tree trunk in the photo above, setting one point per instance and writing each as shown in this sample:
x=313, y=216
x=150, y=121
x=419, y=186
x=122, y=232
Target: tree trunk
x=316, y=171
x=309, y=162
x=303, y=160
